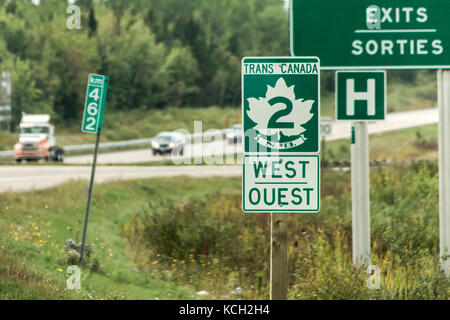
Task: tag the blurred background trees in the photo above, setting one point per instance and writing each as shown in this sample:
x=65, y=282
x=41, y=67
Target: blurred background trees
x=157, y=53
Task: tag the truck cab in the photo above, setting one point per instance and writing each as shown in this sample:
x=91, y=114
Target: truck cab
x=37, y=139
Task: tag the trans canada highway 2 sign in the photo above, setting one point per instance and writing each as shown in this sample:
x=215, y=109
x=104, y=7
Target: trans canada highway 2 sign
x=372, y=34
x=288, y=183
x=280, y=104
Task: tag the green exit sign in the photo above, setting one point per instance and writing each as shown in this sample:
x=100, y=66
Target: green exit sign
x=372, y=34
x=94, y=107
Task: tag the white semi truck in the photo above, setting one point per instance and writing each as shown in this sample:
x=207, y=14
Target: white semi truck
x=37, y=140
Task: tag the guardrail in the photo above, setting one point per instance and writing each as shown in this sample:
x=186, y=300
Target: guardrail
x=122, y=144
x=6, y=154
x=107, y=145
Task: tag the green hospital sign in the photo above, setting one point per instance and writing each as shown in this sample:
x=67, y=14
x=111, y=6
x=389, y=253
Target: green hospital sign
x=372, y=34
x=360, y=96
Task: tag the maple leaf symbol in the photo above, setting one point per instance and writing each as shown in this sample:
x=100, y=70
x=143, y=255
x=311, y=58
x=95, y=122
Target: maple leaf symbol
x=273, y=109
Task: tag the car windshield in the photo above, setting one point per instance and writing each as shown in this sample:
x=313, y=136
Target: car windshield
x=237, y=127
x=164, y=137
x=34, y=130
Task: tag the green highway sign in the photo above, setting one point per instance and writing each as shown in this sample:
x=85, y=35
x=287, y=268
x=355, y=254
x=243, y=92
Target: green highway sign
x=372, y=34
x=360, y=96
x=94, y=107
x=280, y=104
x=286, y=183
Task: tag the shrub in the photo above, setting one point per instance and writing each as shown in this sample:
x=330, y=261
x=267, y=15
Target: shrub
x=211, y=244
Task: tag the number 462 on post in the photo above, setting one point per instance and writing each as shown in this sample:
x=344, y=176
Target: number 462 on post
x=94, y=107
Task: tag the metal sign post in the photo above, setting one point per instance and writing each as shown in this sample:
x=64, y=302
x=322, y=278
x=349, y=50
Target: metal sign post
x=88, y=207
x=444, y=168
x=92, y=123
x=360, y=194
x=360, y=97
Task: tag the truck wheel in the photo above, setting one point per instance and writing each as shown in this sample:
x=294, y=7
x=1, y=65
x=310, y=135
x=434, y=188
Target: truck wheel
x=60, y=156
x=181, y=152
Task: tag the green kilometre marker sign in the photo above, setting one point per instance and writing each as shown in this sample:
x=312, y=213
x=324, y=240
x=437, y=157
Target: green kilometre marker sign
x=280, y=106
x=372, y=34
x=94, y=107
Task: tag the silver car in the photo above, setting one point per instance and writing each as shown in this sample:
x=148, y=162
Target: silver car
x=234, y=134
x=168, y=142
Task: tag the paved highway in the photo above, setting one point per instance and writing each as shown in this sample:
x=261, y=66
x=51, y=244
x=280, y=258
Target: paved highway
x=394, y=121
x=341, y=130
x=24, y=178
x=197, y=150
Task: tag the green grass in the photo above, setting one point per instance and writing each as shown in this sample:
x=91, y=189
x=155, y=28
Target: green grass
x=7, y=140
x=418, y=95
x=410, y=144
x=139, y=124
x=34, y=227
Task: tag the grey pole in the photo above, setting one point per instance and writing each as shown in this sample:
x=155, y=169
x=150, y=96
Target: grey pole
x=91, y=186
x=444, y=168
x=360, y=194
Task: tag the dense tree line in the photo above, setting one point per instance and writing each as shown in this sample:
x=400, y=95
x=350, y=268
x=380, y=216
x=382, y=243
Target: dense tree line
x=156, y=52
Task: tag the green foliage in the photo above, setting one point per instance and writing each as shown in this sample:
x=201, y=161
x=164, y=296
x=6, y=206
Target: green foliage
x=194, y=236
x=156, y=53
x=181, y=71
x=92, y=22
x=197, y=238
x=210, y=244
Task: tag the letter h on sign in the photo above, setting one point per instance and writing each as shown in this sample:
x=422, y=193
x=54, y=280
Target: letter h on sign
x=360, y=96
x=368, y=96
